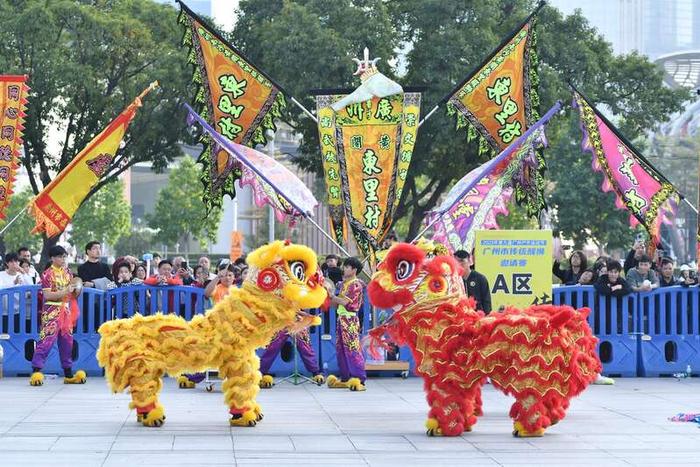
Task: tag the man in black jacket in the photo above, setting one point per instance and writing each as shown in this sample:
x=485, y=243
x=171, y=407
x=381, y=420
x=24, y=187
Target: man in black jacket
x=92, y=268
x=476, y=284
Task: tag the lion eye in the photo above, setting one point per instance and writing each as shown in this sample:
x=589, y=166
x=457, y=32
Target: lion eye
x=298, y=269
x=404, y=270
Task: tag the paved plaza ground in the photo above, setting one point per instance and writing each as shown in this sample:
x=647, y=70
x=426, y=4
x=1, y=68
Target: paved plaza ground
x=77, y=426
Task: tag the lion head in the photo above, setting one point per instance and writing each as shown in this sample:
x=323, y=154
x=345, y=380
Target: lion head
x=288, y=271
x=411, y=274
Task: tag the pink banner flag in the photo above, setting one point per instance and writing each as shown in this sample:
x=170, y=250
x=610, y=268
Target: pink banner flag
x=649, y=197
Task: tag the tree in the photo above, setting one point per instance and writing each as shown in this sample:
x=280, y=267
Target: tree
x=444, y=41
x=20, y=233
x=180, y=213
x=135, y=243
x=87, y=60
x=105, y=217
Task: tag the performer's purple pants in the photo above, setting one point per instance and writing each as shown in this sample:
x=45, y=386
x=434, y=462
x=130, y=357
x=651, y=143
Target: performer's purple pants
x=49, y=332
x=303, y=346
x=351, y=362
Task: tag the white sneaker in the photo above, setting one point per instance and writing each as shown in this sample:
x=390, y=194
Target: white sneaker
x=603, y=380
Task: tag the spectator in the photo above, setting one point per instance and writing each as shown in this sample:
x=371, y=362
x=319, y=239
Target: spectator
x=587, y=277
x=124, y=278
x=165, y=275
x=642, y=278
x=334, y=275
x=13, y=276
x=330, y=262
x=154, y=263
x=185, y=274
x=242, y=276
x=26, y=255
x=140, y=272
x=634, y=255
x=475, y=284
x=128, y=260
x=221, y=285
x=611, y=284
x=206, y=264
x=26, y=267
x=92, y=269
x=667, y=279
x=687, y=278
x=577, y=264
x=600, y=267
x=201, y=276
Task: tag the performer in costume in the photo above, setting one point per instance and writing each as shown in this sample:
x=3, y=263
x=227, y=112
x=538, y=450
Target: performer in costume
x=543, y=355
x=216, y=290
x=58, y=317
x=138, y=351
x=308, y=356
x=351, y=362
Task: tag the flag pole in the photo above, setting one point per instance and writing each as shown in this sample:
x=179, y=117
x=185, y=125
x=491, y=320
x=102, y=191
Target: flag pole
x=690, y=205
x=304, y=109
x=308, y=217
x=429, y=114
x=19, y=214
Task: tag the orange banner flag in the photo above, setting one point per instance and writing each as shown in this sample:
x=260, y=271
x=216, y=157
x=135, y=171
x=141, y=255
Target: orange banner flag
x=233, y=95
x=55, y=206
x=13, y=100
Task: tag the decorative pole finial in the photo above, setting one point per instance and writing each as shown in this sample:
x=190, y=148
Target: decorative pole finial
x=366, y=67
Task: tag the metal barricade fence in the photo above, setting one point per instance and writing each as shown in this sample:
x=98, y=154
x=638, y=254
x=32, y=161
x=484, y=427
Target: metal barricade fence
x=20, y=312
x=670, y=338
x=647, y=334
x=613, y=320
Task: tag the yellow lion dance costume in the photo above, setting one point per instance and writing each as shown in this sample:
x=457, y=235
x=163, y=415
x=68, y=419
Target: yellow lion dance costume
x=543, y=355
x=137, y=352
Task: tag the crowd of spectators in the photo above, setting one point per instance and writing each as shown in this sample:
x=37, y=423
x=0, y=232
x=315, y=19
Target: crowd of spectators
x=639, y=273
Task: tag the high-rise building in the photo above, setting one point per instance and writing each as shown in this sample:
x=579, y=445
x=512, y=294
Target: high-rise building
x=651, y=27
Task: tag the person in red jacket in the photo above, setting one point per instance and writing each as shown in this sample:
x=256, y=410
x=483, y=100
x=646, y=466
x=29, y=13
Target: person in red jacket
x=165, y=277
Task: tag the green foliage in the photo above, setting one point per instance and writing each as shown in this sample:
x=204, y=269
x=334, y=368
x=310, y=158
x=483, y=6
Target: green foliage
x=19, y=234
x=86, y=61
x=105, y=217
x=516, y=219
x=180, y=213
x=444, y=41
x=135, y=243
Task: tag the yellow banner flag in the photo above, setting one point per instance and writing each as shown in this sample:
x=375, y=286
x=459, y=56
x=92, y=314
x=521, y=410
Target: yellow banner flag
x=55, y=206
x=13, y=101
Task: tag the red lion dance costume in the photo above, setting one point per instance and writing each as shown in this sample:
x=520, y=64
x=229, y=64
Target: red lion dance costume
x=543, y=356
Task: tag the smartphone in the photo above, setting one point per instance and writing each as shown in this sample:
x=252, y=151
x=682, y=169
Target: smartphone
x=183, y=265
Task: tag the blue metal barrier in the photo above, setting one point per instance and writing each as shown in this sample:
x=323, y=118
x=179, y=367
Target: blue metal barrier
x=613, y=320
x=670, y=338
x=19, y=329
x=647, y=334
